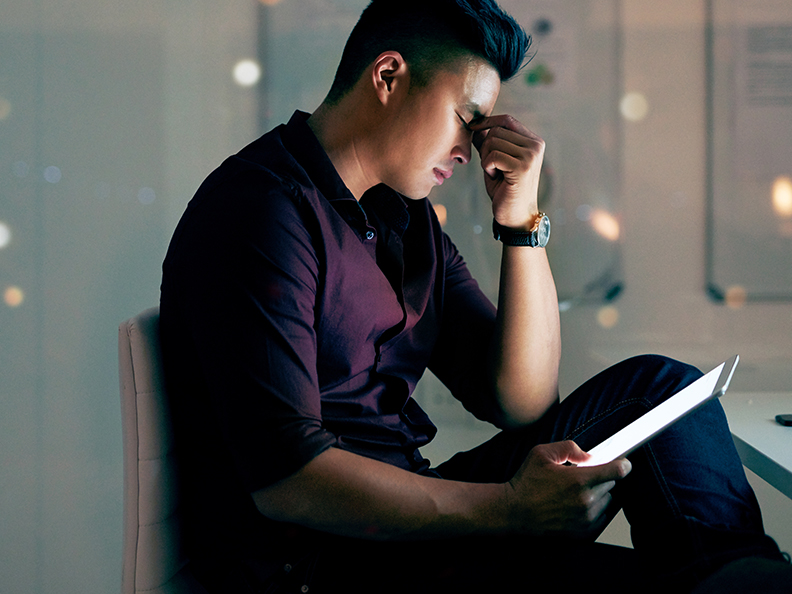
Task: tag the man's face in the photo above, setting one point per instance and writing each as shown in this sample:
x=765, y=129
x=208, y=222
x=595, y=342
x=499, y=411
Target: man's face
x=428, y=135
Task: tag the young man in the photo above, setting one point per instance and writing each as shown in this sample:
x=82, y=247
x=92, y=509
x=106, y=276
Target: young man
x=309, y=286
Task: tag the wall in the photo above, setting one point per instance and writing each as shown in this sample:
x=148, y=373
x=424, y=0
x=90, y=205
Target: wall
x=117, y=112
x=112, y=113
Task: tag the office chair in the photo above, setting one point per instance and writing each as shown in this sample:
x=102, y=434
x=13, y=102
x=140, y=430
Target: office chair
x=153, y=554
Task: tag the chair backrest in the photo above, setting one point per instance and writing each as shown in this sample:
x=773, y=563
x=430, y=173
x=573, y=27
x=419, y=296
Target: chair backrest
x=153, y=556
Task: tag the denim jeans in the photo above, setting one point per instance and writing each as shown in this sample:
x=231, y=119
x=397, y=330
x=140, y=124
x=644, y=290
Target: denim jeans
x=689, y=505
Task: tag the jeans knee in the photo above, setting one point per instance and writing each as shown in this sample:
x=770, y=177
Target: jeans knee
x=660, y=366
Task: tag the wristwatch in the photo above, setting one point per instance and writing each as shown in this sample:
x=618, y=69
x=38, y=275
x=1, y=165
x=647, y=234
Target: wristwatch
x=538, y=236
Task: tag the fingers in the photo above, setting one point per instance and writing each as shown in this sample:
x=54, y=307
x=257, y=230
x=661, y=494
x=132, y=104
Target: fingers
x=612, y=471
x=509, y=152
x=557, y=496
x=563, y=452
x=500, y=121
x=498, y=138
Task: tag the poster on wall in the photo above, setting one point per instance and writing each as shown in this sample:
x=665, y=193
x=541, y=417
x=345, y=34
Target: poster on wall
x=749, y=222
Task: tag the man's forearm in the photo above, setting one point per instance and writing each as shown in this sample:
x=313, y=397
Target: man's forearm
x=527, y=347
x=346, y=494
x=350, y=495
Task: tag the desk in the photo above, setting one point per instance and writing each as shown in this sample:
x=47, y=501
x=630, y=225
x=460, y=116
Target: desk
x=764, y=446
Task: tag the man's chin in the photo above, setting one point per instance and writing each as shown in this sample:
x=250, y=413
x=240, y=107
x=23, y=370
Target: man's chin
x=416, y=193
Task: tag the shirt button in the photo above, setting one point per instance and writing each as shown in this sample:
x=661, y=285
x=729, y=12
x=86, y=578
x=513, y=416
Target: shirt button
x=369, y=234
x=304, y=589
x=287, y=568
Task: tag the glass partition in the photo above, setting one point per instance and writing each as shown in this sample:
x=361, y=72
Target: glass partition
x=749, y=194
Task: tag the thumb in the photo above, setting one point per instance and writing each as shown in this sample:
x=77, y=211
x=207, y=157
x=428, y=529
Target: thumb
x=561, y=452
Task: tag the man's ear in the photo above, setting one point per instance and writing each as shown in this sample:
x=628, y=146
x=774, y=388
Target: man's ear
x=389, y=76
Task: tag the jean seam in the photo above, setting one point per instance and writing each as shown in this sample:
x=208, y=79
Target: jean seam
x=590, y=422
x=661, y=480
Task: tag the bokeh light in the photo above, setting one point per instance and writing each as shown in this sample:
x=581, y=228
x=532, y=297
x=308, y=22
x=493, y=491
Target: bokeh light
x=5, y=235
x=146, y=196
x=52, y=174
x=13, y=296
x=782, y=196
x=5, y=108
x=606, y=225
x=442, y=213
x=736, y=296
x=634, y=107
x=247, y=73
x=584, y=212
x=21, y=169
x=608, y=317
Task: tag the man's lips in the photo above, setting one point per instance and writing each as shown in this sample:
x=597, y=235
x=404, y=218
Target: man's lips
x=442, y=174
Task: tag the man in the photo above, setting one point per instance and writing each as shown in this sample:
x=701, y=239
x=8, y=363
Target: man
x=309, y=286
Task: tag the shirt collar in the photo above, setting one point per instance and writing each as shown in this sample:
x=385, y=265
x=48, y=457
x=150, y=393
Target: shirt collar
x=301, y=142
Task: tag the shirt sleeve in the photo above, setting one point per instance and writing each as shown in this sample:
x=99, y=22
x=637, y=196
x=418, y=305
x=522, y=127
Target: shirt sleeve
x=460, y=357
x=241, y=278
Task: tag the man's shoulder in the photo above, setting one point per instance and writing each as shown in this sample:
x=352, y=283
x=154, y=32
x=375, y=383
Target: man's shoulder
x=264, y=164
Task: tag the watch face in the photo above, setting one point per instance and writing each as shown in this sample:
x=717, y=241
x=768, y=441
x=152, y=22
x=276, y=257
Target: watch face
x=543, y=232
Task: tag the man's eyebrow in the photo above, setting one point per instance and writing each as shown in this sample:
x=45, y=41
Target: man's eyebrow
x=474, y=110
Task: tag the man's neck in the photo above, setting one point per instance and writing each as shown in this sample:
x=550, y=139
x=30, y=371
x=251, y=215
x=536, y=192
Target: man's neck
x=339, y=131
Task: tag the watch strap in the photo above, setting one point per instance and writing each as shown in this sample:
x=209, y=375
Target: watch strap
x=513, y=237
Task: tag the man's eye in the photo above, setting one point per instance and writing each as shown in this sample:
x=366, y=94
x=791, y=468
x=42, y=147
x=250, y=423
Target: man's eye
x=465, y=124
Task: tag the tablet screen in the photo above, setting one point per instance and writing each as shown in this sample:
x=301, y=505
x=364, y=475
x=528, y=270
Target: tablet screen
x=644, y=428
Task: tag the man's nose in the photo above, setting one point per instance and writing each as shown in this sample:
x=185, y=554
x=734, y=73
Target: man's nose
x=462, y=152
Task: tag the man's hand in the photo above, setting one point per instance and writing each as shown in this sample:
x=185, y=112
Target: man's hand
x=550, y=496
x=511, y=156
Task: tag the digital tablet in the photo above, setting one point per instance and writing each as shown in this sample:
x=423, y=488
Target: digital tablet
x=637, y=433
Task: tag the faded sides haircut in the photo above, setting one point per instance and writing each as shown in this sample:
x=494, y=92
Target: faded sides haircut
x=431, y=35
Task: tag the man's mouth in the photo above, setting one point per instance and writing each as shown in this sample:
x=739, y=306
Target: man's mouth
x=442, y=174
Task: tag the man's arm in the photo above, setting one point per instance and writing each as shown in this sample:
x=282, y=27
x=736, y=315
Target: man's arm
x=343, y=493
x=526, y=351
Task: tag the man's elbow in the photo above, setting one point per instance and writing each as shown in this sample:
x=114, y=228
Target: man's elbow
x=525, y=409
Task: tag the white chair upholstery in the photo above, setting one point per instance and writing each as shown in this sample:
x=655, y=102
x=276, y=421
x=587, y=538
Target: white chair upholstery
x=153, y=557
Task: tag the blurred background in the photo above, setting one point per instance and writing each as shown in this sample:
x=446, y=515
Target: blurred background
x=667, y=181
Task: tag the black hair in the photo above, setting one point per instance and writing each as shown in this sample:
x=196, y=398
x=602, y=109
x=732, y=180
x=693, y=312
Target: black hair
x=431, y=35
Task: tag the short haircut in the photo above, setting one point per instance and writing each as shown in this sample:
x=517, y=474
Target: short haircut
x=431, y=35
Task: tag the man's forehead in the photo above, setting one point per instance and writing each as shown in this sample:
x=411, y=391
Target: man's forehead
x=482, y=86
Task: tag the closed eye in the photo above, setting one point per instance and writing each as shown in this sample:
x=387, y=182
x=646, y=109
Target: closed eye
x=465, y=124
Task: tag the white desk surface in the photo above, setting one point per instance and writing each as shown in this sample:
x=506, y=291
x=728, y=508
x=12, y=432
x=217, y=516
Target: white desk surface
x=764, y=446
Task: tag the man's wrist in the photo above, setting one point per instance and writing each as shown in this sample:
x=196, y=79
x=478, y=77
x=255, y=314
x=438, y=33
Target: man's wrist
x=536, y=236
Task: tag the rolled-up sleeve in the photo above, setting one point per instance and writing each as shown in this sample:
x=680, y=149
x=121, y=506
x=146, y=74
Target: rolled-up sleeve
x=239, y=290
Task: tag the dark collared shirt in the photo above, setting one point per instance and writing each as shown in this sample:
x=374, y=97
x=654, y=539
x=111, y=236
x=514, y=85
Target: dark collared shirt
x=295, y=319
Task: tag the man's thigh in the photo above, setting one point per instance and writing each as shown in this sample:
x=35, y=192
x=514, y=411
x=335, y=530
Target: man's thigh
x=591, y=414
